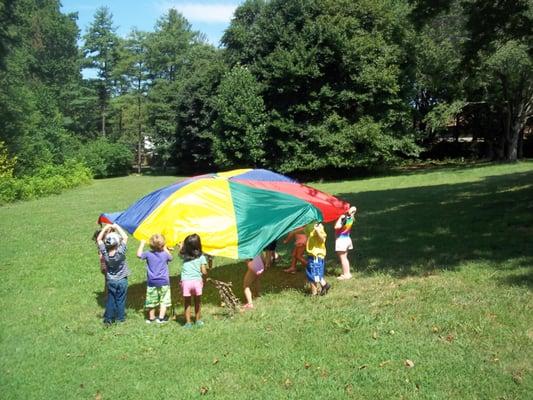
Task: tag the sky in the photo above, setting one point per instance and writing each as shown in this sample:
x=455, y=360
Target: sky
x=210, y=17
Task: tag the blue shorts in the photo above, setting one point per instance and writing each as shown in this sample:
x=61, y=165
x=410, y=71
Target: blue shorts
x=315, y=269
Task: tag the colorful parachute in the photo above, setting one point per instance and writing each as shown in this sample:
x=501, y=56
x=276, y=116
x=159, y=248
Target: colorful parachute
x=236, y=213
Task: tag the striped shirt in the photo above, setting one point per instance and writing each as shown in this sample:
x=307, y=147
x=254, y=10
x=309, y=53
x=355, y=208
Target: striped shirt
x=117, y=268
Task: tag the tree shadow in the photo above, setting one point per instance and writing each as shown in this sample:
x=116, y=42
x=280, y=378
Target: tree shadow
x=418, y=230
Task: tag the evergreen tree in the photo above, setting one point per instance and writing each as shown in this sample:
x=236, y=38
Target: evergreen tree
x=101, y=50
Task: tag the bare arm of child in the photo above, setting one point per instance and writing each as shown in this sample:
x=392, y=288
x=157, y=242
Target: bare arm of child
x=203, y=268
x=103, y=232
x=167, y=250
x=289, y=237
x=338, y=224
x=319, y=229
x=121, y=233
x=140, y=248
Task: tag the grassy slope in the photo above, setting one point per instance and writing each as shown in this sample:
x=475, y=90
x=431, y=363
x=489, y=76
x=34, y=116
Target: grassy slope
x=444, y=276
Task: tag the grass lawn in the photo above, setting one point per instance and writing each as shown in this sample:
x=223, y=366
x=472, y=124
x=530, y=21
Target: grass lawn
x=443, y=278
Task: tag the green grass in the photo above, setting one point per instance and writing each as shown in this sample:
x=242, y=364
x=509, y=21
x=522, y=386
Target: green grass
x=444, y=274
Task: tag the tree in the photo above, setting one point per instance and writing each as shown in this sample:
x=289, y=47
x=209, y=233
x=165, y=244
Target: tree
x=240, y=127
x=101, y=51
x=500, y=42
x=132, y=68
x=327, y=69
x=167, y=57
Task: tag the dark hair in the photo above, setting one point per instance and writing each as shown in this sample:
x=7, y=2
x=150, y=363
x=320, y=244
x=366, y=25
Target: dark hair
x=192, y=247
x=96, y=233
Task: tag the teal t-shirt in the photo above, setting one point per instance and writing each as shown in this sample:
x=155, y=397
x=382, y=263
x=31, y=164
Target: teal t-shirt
x=191, y=270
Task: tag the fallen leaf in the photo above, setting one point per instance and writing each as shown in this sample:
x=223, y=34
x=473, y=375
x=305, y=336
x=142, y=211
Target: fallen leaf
x=391, y=332
x=307, y=365
x=435, y=329
x=409, y=364
x=382, y=364
x=417, y=385
x=363, y=366
x=374, y=335
x=450, y=338
x=287, y=383
x=215, y=361
x=204, y=390
x=98, y=396
x=324, y=373
x=348, y=389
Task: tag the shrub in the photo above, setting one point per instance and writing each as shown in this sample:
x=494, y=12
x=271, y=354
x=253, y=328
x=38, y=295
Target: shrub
x=106, y=159
x=50, y=179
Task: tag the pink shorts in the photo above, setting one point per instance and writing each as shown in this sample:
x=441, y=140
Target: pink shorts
x=192, y=288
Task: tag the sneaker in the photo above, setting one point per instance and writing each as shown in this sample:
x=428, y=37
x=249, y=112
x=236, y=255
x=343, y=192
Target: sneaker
x=199, y=323
x=325, y=289
x=107, y=324
x=162, y=320
x=248, y=306
x=188, y=325
x=150, y=321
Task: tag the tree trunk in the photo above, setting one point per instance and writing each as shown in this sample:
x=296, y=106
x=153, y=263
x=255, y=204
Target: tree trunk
x=103, y=120
x=140, y=138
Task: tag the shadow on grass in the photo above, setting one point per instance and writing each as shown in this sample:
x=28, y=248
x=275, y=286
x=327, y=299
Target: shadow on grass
x=274, y=280
x=413, y=231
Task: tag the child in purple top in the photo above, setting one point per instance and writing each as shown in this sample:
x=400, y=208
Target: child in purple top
x=157, y=277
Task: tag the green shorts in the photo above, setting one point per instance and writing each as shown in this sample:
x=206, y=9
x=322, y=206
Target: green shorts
x=157, y=296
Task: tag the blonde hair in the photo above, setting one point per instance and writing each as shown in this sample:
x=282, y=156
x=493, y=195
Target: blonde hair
x=157, y=242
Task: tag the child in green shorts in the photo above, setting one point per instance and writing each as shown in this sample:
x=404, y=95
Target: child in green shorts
x=157, y=280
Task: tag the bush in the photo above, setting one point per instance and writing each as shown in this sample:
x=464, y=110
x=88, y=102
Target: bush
x=50, y=179
x=106, y=159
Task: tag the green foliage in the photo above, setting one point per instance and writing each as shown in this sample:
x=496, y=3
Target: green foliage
x=48, y=179
x=240, y=127
x=318, y=62
x=7, y=163
x=105, y=158
x=442, y=115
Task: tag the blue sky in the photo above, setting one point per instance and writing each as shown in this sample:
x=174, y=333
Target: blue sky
x=211, y=17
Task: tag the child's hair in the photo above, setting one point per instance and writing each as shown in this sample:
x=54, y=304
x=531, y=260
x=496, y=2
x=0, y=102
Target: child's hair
x=191, y=248
x=157, y=242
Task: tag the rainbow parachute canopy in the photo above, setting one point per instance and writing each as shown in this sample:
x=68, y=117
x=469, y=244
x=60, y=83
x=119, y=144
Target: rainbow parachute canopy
x=236, y=213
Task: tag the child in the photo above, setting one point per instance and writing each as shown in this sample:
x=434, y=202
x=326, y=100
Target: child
x=343, y=242
x=194, y=267
x=270, y=254
x=157, y=279
x=316, y=248
x=256, y=266
x=112, y=245
x=300, y=240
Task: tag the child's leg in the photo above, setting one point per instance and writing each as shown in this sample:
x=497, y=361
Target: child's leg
x=249, y=278
x=187, y=305
x=164, y=301
x=345, y=263
x=151, y=314
x=314, y=288
x=122, y=291
x=299, y=253
x=197, y=308
x=110, y=307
